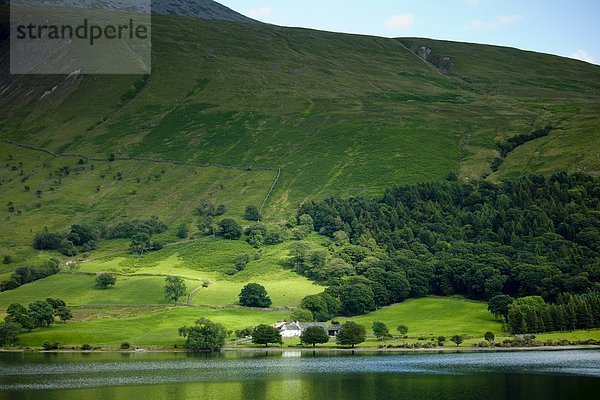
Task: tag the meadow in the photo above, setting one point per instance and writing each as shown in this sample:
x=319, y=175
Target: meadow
x=344, y=115
x=341, y=115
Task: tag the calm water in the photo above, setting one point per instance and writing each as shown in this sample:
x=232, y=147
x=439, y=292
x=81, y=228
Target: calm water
x=292, y=375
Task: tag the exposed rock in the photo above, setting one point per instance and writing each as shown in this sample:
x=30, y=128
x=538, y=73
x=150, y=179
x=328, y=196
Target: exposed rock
x=442, y=63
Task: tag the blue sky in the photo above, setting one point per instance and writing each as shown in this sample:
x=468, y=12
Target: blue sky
x=568, y=28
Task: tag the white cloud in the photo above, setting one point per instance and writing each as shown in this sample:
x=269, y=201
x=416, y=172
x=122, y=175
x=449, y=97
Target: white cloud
x=500, y=21
x=399, y=22
x=259, y=12
x=583, y=56
x=472, y=3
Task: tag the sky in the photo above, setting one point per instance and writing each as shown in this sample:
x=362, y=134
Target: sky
x=569, y=28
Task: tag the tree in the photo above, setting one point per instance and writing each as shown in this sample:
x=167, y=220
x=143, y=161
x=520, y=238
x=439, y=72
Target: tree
x=302, y=315
x=489, y=336
x=243, y=333
x=230, y=229
x=18, y=314
x=183, y=231
x=402, y=329
x=241, y=261
x=174, y=288
x=499, y=305
x=356, y=300
x=103, y=281
x=380, y=330
x=316, y=304
x=351, y=334
x=9, y=333
x=41, y=314
x=314, y=335
x=265, y=334
x=204, y=335
x=254, y=295
x=457, y=339
x=60, y=309
x=141, y=243
x=81, y=234
x=251, y=213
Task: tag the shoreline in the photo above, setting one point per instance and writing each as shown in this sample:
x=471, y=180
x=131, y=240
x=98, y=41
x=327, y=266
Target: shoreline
x=224, y=350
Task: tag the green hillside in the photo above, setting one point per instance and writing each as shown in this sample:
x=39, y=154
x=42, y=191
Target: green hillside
x=339, y=114
x=253, y=114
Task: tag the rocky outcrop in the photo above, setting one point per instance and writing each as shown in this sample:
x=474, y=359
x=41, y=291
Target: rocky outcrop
x=442, y=63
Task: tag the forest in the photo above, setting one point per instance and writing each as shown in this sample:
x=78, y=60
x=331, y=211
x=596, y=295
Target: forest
x=531, y=236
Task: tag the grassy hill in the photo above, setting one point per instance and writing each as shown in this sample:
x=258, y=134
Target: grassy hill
x=257, y=114
x=339, y=114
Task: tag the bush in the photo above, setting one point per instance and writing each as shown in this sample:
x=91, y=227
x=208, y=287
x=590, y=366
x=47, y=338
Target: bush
x=402, y=329
x=7, y=259
x=457, y=339
x=243, y=333
x=380, y=330
x=103, y=281
x=230, y=229
x=251, y=213
x=489, y=336
x=50, y=345
x=86, y=347
x=128, y=229
x=125, y=346
x=48, y=241
x=241, y=261
x=183, y=231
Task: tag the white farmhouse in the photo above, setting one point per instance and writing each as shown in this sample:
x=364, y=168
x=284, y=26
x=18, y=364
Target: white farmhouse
x=295, y=329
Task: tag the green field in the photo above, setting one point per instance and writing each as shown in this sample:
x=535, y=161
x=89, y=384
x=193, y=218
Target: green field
x=340, y=115
x=157, y=326
x=148, y=326
x=435, y=317
x=79, y=289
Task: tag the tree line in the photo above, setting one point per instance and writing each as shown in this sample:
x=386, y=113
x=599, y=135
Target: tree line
x=28, y=274
x=82, y=238
x=39, y=314
x=205, y=335
x=531, y=236
x=533, y=315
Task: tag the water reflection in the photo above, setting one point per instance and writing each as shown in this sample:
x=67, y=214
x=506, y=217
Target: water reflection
x=296, y=375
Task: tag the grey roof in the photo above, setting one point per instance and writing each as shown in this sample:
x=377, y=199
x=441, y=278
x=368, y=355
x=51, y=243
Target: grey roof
x=304, y=325
x=291, y=326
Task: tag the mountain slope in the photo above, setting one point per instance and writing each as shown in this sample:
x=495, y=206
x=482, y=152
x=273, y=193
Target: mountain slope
x=202, y=9
x=339, y=114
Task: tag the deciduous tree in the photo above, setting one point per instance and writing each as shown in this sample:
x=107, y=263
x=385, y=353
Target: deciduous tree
x=174, y=288
x=265, y=334
x=351, y=334
x=204, y=335
x=314, y=335
x=254, y=295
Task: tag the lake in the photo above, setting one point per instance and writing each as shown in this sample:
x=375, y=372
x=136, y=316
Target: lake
x=291, y=375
